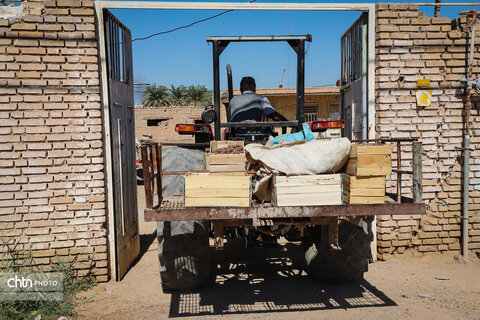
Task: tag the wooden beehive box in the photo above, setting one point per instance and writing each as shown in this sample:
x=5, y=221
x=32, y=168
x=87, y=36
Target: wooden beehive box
x=325, y=189
x=363, y=190
x=231, y=164
x=369, y=160
x=207, y=190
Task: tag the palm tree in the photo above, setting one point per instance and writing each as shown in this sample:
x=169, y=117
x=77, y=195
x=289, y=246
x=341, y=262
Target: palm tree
x=156, y=96
x=178, y=95
x=197, y=94
x=207, y=98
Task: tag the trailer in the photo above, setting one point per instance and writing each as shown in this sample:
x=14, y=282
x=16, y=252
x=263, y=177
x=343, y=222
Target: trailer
x=336, y=238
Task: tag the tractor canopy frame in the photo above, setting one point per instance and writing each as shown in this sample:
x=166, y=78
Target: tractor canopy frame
x=219, y=44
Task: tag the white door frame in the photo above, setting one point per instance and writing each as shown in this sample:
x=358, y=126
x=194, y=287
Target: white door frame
x=100, y=5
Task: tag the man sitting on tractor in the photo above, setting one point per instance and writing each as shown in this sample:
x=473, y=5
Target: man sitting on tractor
x=250, y=106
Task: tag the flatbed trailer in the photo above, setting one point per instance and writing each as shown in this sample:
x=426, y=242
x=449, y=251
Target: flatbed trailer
x=172, y=209
x=263, y=216
x=336, y=238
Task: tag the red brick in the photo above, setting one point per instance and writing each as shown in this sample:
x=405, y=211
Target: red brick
x=62, y=244
x=23, y=26
x=54, y=59
x=81, y=12
x=69, y=19
x=33, y=66
x=37, y=50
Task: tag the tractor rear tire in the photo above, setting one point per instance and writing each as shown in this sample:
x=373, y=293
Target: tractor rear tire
x=183, y=246
x=184, y=254
x=349, y=262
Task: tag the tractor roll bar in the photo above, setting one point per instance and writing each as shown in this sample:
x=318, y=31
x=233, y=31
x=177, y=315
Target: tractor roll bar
x=259, y=124
x=307, y=37
x=230, y=91
x=298, y=45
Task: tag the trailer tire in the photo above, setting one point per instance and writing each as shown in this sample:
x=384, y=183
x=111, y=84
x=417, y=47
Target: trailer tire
x=349, y=262
x=184, y=254
x=183, y=246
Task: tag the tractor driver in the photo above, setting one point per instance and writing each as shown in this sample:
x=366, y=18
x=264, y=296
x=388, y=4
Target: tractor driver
x=250, y=106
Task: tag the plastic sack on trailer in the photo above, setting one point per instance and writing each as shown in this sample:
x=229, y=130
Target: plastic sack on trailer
x=300, y=157
x=306, y=134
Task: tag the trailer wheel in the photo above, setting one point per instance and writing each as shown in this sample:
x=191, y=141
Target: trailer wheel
x=335, y=265
x=183, y=246
x=184, y=254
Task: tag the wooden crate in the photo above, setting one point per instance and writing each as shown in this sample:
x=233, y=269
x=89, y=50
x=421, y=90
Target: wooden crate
x=325, y=189
x=370, y=160
x=206, y=190
x=231, y=164
x=363, y=190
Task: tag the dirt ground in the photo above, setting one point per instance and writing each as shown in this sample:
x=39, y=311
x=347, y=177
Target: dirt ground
x=268, y=283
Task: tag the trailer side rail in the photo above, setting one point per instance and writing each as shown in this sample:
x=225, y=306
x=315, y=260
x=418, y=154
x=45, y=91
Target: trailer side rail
x=174, y=211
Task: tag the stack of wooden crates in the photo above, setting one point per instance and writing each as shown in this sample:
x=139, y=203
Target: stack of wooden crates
x=367, y=168
x=228, y=185
x=313, y=190
x=225, y=185
x=224, y=163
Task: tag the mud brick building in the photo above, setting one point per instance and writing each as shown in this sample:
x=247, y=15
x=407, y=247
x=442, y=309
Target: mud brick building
x=52, y=151
x=160, y=122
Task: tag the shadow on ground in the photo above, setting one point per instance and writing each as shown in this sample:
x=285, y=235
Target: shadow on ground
x=146, y=241
x=270, y=280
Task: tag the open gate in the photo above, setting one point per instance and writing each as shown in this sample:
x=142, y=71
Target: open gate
x=122, y=132
x=353, y=79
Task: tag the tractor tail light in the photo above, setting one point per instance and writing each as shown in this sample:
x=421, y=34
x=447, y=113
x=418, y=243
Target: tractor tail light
x=185, y=129
x=326, y=124
x=319, y=125
x=194, y=129
x=336, y=124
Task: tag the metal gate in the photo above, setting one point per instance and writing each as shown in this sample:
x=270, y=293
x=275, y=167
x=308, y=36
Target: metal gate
x=122, y=132
x=353, y=89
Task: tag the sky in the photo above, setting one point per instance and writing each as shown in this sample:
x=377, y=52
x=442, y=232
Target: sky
x=184, y=56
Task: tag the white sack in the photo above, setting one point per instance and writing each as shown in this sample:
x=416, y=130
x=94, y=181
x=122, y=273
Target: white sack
x=300, y=157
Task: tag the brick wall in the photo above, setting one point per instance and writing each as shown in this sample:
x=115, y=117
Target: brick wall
x=51, y=163
x=411, y=46
x=164, y=131
x=51, y=160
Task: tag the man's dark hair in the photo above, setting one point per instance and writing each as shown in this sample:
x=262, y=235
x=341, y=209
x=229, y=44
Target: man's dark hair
x=247, y=84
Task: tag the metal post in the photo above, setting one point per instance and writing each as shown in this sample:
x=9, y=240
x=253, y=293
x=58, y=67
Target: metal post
x=158, y=151
x=363, y=72
x=230, y=92
x=342, y=80
x=333, y=232
x=147, y=185
x=417, y=172
x=151, y=159
x=466, y=141
x=436, y=10
x=216, y=87
x=399, y=174
x=466, y=175
x=300, y=83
